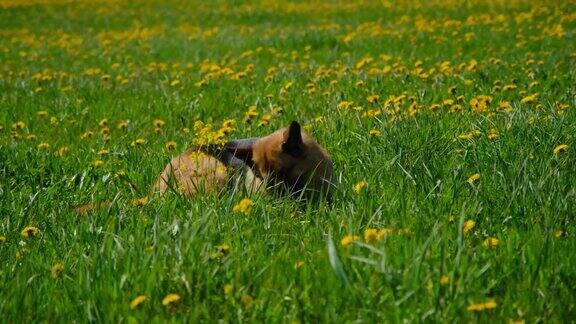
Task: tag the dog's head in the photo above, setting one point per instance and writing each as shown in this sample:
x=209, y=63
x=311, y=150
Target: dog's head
x=289, y=160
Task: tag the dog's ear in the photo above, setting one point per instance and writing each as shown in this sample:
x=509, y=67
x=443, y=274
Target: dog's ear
x=241, y=149
x=293, y=143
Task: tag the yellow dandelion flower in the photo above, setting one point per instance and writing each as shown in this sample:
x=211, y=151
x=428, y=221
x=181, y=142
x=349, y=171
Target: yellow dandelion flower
x=359, y=186
x=53, y=121
x=170, y=146
x=475, y=307
x=30, y=231
x=348, y=239
x=2, y=238
x=42, y=113
x=375, y=133
x=558, y=233
x=223, y=248
x=225, y=130
x=455, y=109
x=444, y=280
x=57, y=270
x=122, y=124
x=344, y=104
x=201, y=83
x=103, y=152
x=87, y=135
x=170, y=299
x=103, y=122
x=470, y=135
x=473, y=178
x=158, y=123
x=243, y=207
x=228, y=289
x=371, y=113
x=105, y=131
x=140, y=202
x=561, y=149
x=468, y=226
x=288, y=85
x=490, y=304
x=137, y=301
x=18, y=125
x=491, y=242
x=530, y=98
x=247, y=300
x=250, y=114
x=175, y=83
x=493, y=134
x=373, y=98
x=98, y=163
x=472, y=65
x=265, y=120
x=31, y=137
x=228, y=123
x=43, y=146
x=372, y=235
x=505, y=106
x=138, y=142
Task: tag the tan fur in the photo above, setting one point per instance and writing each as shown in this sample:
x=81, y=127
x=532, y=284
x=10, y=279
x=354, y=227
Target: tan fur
x=191, y=172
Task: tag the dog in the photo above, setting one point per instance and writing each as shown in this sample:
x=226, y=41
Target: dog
x=288, y=162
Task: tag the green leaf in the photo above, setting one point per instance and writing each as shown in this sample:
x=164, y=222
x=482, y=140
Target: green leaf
x=335, y=262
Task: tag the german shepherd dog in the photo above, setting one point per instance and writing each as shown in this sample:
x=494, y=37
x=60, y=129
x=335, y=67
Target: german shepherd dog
x=288, y=161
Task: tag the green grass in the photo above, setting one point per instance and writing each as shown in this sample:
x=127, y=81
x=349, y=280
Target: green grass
x=285, y=261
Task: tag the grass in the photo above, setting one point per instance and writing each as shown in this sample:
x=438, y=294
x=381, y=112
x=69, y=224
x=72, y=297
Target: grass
x=481, y=88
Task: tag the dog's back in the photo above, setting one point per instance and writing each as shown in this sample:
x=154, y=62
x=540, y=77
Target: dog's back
x=192, y=172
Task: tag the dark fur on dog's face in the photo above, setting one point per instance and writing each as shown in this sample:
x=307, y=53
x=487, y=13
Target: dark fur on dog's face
x=289, y=160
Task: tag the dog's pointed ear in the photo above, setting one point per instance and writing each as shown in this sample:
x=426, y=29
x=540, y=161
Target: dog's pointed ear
x=293, y=143
x=241, y=149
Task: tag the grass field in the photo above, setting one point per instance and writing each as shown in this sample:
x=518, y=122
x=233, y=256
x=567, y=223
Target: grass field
x=452, y=126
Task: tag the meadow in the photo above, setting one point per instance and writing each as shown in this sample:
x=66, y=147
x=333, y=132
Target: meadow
x=452, y=126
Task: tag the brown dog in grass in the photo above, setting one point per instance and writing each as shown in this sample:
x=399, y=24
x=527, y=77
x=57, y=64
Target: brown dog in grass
x=288, y=161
